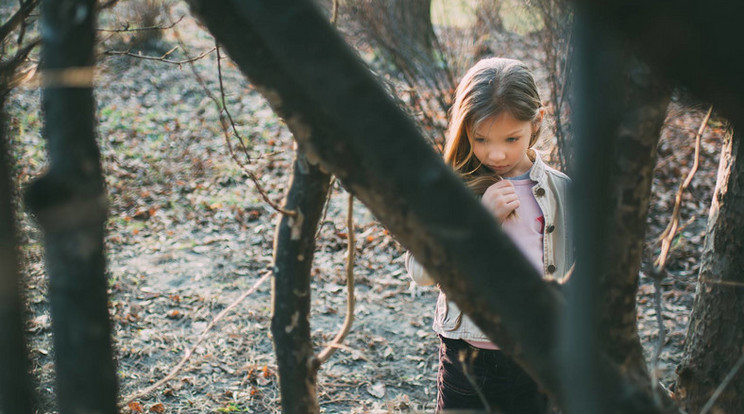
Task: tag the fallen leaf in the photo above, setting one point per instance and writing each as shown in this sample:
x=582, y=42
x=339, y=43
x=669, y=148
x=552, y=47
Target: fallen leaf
x=157, y=408
x=135, y=407
x=376, y=390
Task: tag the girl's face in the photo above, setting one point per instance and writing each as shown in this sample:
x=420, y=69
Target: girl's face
x=500, y=143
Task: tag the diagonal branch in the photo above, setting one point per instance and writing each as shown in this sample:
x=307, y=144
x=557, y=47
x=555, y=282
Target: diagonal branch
x=17, y=18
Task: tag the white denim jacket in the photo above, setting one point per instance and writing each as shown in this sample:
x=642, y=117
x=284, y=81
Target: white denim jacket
x=551, y=192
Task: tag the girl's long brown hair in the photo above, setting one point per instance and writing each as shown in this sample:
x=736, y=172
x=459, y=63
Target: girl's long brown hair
x=489, y=88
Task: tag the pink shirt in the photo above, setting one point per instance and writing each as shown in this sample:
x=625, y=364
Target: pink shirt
x=526, y=231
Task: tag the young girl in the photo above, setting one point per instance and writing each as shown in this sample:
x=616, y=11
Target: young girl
x=494, y=122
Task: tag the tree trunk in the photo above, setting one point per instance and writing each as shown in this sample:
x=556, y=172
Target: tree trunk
x=715, y=336
x=293, y=257
x=350, y=126
x=697, y=46
x=70, y=206
x=620, y=108
x=16, y=392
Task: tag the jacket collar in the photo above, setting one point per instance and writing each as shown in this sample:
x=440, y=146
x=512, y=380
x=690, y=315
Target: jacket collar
x=538, y=166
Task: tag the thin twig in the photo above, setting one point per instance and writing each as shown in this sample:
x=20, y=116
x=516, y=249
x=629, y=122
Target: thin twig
x=349, y=319
x=730, y=283
x=327, y=206
x=142, y=29
x=668, y=235
x=224, y=103
x=190, y=351
x=334, y=15
x=162, y=58
x=660, y=340
x=729, y=377
x=223, y=122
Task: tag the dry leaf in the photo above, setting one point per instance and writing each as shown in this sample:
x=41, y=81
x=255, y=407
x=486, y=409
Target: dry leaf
x=157, y=408
x=135, y=407
x=376, y=390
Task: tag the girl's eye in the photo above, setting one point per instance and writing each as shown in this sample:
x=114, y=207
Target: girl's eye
x=512, y=139
x=479, y=140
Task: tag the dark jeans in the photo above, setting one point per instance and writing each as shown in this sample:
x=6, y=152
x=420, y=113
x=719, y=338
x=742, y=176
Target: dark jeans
x=500, y=380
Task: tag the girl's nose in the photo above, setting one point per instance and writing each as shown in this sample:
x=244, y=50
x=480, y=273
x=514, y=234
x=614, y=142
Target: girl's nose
x=496, y=155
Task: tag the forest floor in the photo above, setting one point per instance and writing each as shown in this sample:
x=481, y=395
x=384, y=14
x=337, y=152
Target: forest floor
x=188, y=234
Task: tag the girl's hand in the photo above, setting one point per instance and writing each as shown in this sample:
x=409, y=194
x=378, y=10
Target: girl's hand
x=501, y=199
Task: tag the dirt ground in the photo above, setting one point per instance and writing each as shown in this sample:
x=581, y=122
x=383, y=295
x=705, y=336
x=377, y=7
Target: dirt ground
x=188, y=234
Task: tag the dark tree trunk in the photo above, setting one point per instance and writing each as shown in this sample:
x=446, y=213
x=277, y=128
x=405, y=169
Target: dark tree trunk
x=293, y=257
x=349, y=125
x=631, y=165
x=620, y=108
x=16, y=393
x=70, y=205
x=697, y=46
x=715, y=336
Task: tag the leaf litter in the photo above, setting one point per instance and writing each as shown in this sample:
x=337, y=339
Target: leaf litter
x=187, y=234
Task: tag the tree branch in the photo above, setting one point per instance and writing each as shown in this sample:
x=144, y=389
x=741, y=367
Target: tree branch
x=17, y=18
x=326, y=354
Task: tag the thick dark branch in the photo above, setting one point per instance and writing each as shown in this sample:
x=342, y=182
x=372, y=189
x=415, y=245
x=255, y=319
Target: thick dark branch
x=293, y=257
x=698, y=46
x=352, y=129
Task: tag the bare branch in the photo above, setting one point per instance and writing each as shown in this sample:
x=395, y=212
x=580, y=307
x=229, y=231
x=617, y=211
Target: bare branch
x=350, y=302
x=17, y=19
x=224, y=112
x=142, y=29
x=668, y=235
x=163, y=58
x=8, y=77
x=222, y=109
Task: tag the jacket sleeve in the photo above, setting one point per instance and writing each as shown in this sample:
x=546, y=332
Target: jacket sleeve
x=417, y=272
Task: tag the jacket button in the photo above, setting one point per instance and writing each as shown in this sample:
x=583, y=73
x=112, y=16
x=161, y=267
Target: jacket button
x=540, y=191
x=550, y=228
x=551, y=269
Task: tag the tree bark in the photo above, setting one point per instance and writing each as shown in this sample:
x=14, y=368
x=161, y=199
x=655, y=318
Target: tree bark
x=70, y=206
x=16, y=391
x=293, y=257
x=696, y=46
x=352, y=129
x=715, y=336
x=620, y=108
